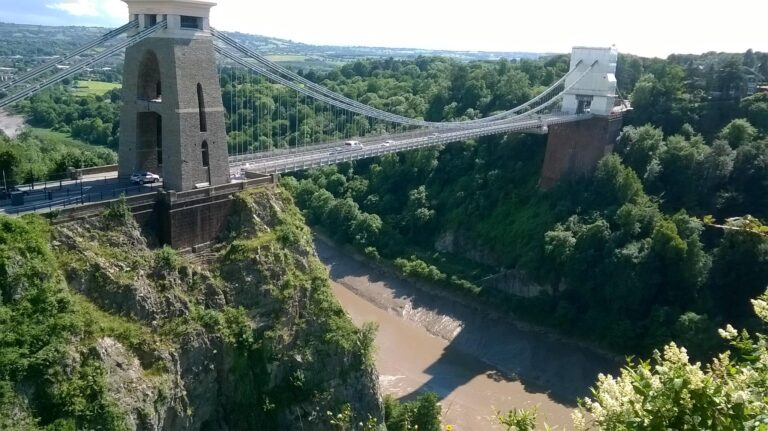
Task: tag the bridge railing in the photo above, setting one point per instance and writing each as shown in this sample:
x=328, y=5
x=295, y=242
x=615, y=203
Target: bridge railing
x=302, y=162
x=228, y=188
x=49, y=200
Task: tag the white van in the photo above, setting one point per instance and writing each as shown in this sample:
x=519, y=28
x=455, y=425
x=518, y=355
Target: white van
x=353, y=144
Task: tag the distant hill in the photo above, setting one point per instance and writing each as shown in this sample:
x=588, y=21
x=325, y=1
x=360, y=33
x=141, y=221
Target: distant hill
x=36, y=40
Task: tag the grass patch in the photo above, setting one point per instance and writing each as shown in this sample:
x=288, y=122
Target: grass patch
x=128, y=332
x=52, y=138
x=93, y=88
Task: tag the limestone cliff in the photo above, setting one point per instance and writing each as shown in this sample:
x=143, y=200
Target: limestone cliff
x=245, y=336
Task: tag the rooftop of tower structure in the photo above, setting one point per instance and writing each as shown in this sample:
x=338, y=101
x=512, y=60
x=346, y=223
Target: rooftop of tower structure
x=200, y=8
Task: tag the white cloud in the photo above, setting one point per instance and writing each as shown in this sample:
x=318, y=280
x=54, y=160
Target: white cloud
x=91, y=8
x=77, y=7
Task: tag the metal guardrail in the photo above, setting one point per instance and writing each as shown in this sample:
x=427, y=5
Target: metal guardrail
x=49, y=200
x=218, y=190
x=73, y=213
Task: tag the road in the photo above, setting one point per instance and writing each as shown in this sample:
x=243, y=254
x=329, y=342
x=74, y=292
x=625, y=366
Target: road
x=46, y=196
x=280, y=161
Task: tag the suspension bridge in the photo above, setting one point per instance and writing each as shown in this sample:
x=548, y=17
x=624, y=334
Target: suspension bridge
x=176, y=120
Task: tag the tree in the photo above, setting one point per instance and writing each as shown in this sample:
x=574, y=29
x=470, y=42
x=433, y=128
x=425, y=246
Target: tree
x=318, y=206
x=421, y=414
x=670, y=392
x=638, y=146
x=660, y=100
x=417, y=213
x=749, y=177
x=365, y=229
x=340, y=217
x=614, y=183
x=336, y=184
x=9, y=163
x=731, y=288
x=682, y=168
x=737, y=133
x=756, y=110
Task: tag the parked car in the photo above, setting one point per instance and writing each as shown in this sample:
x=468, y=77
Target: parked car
x=144, y=177
x=388, y=142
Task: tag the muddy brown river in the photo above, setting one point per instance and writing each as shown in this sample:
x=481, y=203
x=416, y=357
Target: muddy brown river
x=475, y=363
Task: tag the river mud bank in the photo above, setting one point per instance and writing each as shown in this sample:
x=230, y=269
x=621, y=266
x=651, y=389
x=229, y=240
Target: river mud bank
x=474, y=362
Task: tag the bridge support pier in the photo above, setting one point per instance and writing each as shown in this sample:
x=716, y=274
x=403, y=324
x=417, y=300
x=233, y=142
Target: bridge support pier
x=573, y=149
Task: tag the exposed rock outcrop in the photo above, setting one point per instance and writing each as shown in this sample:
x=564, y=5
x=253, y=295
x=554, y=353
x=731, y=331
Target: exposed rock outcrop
x=253, y=340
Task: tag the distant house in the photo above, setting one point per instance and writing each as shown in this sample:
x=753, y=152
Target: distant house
x=6, y=73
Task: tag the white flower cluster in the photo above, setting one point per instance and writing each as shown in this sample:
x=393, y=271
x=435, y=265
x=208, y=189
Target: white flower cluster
x=671, y=393
x=761, y=308
x=729, y=333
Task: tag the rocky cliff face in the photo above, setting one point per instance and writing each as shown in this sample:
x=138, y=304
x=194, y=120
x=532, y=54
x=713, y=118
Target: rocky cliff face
x=247, y=336
x=510, y=281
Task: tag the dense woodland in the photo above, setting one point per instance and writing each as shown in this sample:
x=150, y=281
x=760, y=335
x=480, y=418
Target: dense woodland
x=647, y=225
x=657, y=272
x=693, y=146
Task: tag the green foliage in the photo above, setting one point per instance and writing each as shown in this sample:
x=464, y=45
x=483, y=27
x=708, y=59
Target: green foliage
x=39, y=319
x=670, y=392
x=435, y=88
x=166, y=258
x=344, y=421
x=660, y=99
x=639, y=146
x=299, y=336
x=38, y=155
x=651, y=278
x=746, y=250
x=756, y=108
x=738, y=132
x=84, y=396
x=118, y=213
x=418, y=268
x=423, y=413
x=518, y=419
x=415, y=267
x=91, y=118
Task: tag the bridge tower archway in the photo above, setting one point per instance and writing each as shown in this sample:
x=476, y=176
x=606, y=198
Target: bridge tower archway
x=172, y=102
x=149, y=85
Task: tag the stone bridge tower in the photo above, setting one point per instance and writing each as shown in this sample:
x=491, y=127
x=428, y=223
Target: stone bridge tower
x=574, y=149
x=172, y=120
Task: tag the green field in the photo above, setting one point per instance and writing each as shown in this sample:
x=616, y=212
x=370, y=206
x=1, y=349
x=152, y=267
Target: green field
x=95, y=88
x=53, y=138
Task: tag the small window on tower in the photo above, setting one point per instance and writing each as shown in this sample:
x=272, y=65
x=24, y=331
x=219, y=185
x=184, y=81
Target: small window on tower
x=201, y=108
x=205, y=154
x=192, y=22
x=150, y=20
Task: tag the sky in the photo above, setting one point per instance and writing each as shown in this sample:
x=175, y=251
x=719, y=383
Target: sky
x=642, y=27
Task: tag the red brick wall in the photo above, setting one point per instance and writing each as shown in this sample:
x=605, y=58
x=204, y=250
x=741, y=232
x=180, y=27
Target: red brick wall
x=573, y=149
x=188, y=224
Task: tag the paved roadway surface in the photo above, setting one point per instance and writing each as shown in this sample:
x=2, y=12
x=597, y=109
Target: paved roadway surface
x=46, y=196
